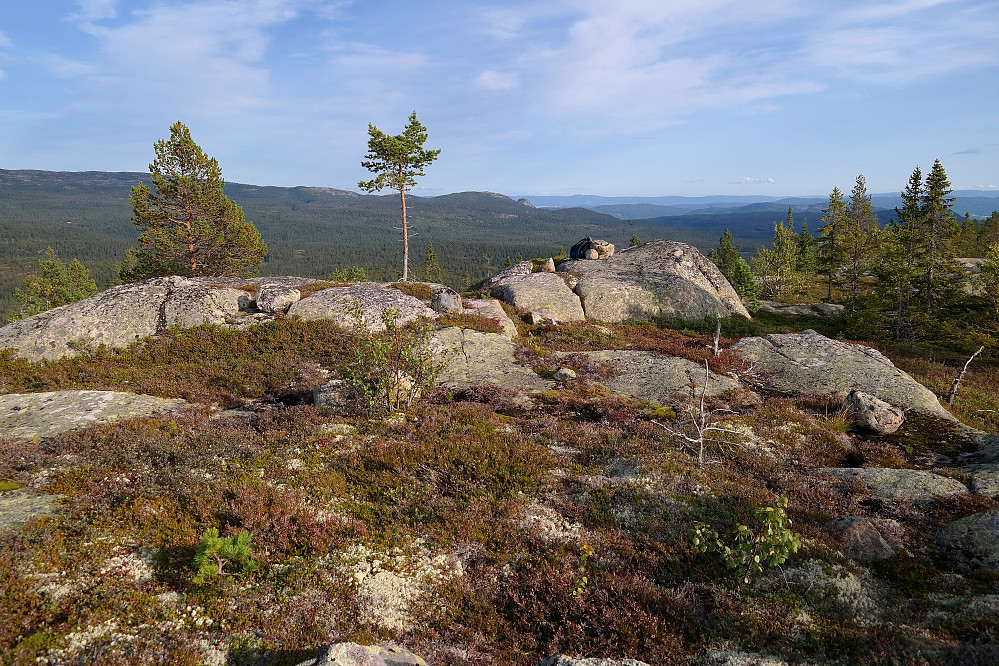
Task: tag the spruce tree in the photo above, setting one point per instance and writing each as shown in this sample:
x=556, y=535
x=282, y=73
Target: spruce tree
x=806, y=250
x=187, y=226
x=830, y=244
x=432, y=267
x=860, y=235
x=937, y=285
x=726, y=255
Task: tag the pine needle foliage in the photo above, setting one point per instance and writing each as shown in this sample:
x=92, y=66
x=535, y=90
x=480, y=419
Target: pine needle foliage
x=57, y=284
x=187, y=226
x=215, y=554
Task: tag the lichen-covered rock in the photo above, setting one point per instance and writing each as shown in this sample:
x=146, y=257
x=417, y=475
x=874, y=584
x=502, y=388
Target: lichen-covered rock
x=491, y=309
x=21, y=505
x=475, y=358
x=828, y=310
x=861, y=541
x=872, y=414
x=37, y=416
x=811, y=363
x=971, y=543
x=910, y=485
x=123, y=315
x=657, y=378
x=445, y=299
x=276, y=297
x=353, y=654
x=522, y=268
x=660, y=278
x=370, y=300
x=545, y=294
x=337, y=395
x=984, y=479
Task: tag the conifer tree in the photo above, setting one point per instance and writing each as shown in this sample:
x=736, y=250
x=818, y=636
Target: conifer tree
x=937, y=247
x=776, y=267
x=398, y=160
x=807, y=260
x=859, y=236
x=187, y=226
x=829, y=256
x=58, y=284
x=726, y=255
x=432, y=267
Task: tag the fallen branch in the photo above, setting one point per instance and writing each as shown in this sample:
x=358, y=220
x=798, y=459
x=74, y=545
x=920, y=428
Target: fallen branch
x=957, y=380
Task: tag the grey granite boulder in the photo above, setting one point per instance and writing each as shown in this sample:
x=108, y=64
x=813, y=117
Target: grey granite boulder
x=36, y=416
x=369, y=299
x=123, y=315
x=276, y=297
x=545, y=294
x=657, y=378
x=590, y=249
x=445, y=299
x=658, y=278
x=971, y=543
x=984, y=479
x=872, y=414
x=811, y=363
x=828, y=310
x=522, y=268
x=910, y=485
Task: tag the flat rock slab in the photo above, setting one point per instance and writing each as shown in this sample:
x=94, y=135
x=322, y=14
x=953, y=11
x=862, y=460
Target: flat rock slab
x=829, y=310
x=545, y=294
x=475, y=358
x=971, y=543
x=369, y=299
x=36, y=416
x=812, y=363
x=563, y=660
x=19, y=506
x=655, y=279
x=910, y=485
x=657, y=378
x=352, y=654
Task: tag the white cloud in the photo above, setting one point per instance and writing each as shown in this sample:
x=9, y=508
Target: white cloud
x=94, y=10
x=746, y=180
x=491, y=80
x=5, y=42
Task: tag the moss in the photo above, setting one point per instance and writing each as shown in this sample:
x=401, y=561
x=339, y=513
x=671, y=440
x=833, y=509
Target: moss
x=469, y=321
x=419, y=290
x=9, y=485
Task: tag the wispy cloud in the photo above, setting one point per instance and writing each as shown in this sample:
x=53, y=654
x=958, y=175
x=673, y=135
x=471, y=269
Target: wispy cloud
x=491, y=80
x=976, y=150
x=5, y=42
x=747, y=180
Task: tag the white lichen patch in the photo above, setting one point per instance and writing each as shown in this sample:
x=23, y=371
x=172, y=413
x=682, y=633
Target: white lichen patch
x=822, y=581
x=551, y=526
x=389, y=583
x=137, y=564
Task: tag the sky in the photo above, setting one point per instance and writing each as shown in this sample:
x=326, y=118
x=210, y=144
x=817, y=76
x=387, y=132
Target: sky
x=557, y=97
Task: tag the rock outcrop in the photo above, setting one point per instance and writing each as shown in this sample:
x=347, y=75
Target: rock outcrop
x=36, y=416
x=909, y=485
x=353, y=654
x=811, y=363
x=591, y=249
x=972, y=543
x=658, y=278
x=369, y=300
x=544, y=294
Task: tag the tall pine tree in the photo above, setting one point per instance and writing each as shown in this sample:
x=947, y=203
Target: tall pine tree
x=830, y=254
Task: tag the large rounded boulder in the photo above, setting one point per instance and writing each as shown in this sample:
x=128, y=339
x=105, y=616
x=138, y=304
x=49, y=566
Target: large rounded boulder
x=661, y=278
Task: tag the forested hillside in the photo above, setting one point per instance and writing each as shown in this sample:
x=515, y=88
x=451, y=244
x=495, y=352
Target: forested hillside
x=310, y=231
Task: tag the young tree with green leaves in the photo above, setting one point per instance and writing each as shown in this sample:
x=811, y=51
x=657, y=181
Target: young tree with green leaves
x=398, y=160
x=830, y=254
x=187, y=226
x=58, y=284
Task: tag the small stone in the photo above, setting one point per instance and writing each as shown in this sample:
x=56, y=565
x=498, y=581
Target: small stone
x=873, y=414
x=548, y=266
x=861, y=541
x=564, y=375
x=276, y=297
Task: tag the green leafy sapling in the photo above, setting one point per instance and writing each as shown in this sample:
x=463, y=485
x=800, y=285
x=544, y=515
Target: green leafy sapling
x=218, y=557
x=579, y=586
x=751, y=550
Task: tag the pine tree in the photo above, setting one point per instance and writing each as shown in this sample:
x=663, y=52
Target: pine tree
x=398, y=160
x=807, y=260
x=57, y=285
x=431, y=267
x=187, y=226
x=829, y=257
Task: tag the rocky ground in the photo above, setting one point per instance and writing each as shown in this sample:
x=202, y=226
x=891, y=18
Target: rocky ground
x=537, y=506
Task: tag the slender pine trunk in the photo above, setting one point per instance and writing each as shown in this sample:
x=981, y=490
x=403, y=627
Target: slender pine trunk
x=405, y=236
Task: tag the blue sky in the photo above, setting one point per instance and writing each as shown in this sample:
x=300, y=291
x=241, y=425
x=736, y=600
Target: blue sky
x=632, y=97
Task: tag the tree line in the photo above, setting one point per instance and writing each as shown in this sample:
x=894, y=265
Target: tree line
x=901, y=281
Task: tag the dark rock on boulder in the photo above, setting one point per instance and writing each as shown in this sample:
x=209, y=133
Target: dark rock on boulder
x=590, y=249
x=658, y=278
x=811, y=363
